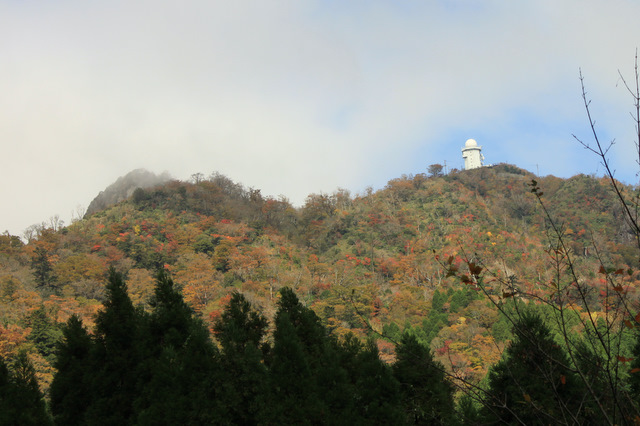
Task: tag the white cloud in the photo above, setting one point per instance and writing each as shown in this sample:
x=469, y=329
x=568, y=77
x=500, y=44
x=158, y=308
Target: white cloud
x=295, y=97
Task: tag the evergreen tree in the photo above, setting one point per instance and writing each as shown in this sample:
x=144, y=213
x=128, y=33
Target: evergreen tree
x=241, y=331
x=467, y=411
x=116, y=357
x=427, y=397
x=21, y=402
x=314, y=379
x=6, y=401
x=70, y=390
x=294, y=397
x=304, y=377
x=533, y=383
x=178, y=379
x=377, y=391
x=436, y=318
x=42, y=269
x=45, y=334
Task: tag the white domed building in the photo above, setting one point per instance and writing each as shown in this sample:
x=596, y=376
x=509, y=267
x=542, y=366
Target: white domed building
x=472, y=155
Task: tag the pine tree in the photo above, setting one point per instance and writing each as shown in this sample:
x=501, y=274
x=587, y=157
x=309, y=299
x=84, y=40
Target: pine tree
x=427, y=397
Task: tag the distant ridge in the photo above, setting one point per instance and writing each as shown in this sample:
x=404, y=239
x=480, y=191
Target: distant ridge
x=124, y=187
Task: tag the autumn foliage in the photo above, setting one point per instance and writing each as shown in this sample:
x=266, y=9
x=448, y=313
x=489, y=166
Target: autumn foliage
x=402, y=260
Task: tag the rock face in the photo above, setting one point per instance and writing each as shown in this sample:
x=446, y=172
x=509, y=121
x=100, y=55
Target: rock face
x=124, y=187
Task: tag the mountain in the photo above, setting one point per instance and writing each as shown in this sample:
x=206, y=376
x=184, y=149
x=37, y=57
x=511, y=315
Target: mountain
x=374, y=264
x=124, y=188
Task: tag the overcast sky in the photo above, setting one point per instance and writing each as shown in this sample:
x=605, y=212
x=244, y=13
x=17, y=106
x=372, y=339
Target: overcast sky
x=298, y=97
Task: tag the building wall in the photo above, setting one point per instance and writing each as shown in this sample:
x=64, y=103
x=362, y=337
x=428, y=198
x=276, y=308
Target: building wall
x=472, y=158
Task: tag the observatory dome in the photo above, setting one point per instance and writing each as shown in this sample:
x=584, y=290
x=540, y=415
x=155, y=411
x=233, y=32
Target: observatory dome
x=470, y=143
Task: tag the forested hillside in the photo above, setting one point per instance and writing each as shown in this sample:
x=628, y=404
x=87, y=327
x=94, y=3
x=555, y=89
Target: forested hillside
x=427, y=263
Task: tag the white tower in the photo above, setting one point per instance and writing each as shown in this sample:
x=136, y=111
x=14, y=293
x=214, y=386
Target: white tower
x=473, y=158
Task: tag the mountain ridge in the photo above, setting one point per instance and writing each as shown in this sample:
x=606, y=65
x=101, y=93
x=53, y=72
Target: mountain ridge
x=124, y=188
x=367, y=263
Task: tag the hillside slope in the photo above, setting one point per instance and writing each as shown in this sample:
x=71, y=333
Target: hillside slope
x=374, y=263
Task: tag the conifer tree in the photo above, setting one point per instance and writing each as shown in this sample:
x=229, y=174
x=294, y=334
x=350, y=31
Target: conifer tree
x=42, y=269
x=378, y=392
x=314, y=379
x=70, y=390
x=21, y=402
x=427, y=397
x=178, y=377
x=241, y=331
x=294, y=397
x=6, y=390
x=44, y=334
x=533, y=383
x=116, y=357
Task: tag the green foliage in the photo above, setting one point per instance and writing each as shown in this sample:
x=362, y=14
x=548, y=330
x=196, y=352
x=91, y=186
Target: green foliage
x=427, y=397
x=21, y=402
x=534, y=381
x=312, y=376
x=45, y=334
x=42, y=269
x=461, y=298
x=180, y=367
x=296, y=364
x=205, y=244
x=116, y=357
x=242, y=389
x=634, y=380
x=362, y=263
x=157, y=368
x=501, y=329
x=71, y=391
x=392, y=331
x=378, y=391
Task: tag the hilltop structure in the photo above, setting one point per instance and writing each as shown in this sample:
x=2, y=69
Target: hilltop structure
x=472, y=155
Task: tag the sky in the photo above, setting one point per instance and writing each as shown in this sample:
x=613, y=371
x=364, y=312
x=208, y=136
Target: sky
x=295, y=97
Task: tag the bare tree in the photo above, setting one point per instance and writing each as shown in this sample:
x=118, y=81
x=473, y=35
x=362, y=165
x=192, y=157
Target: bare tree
x=197, y=178
x=78, y=213
x=55, y=223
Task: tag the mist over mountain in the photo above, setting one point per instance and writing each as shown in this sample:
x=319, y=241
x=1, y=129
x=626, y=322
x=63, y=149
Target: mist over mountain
x=124, y=187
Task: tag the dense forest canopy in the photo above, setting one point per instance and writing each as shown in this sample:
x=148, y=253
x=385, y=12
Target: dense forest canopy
x=408, y=283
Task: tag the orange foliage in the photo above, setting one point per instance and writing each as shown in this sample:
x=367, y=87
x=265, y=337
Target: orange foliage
x=11, y=337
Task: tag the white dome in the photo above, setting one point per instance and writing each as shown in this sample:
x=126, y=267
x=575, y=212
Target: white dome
x=470, y=143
